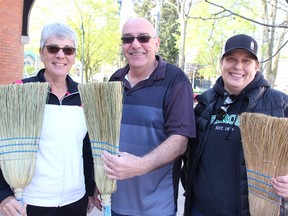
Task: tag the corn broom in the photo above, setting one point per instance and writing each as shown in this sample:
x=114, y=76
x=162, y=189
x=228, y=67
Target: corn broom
x=265, y=146
x=102, y=104
x=21, y=117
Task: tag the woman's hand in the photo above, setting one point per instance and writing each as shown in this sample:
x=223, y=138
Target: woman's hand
x=11, y=207
x=90, y=205
x=97, y=199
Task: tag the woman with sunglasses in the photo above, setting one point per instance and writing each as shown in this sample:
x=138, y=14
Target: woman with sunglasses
x=63, y=177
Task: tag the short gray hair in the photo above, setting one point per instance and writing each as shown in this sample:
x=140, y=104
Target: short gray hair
x=58, y=30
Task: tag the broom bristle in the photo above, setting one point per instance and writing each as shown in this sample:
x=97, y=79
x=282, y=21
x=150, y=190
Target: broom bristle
x=102, y=104
x=265, y=146
x=21, y=117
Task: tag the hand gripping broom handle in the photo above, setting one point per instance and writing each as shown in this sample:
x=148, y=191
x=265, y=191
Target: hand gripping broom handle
x=106, y=202
x=18, y=196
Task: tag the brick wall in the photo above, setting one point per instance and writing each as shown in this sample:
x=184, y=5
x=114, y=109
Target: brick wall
x=11, y=49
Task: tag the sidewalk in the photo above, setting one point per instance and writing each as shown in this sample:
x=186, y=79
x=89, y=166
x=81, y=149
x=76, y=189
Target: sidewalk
x=96, y=212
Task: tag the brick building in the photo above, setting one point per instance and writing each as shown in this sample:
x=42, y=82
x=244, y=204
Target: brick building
x=14, y=18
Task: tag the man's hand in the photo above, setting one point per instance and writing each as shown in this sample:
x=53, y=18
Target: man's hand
x=122, y=166
x=280, y=186
x=125, y=165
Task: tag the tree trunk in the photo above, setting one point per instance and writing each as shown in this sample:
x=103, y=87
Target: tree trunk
x=273, y=74
x=265, y=34
x=183, y=24
x=269, y=69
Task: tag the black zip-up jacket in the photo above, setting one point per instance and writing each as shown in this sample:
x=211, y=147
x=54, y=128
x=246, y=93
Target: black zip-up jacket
x=73, y=98
x=258, y=97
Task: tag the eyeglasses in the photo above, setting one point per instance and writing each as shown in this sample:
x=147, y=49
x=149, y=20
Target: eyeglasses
x=55, y=49
x=141, y=39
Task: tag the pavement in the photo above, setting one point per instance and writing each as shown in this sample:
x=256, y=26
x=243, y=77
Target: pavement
x=96, y=212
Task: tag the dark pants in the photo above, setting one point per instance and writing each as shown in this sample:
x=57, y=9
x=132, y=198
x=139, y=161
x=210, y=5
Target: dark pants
x=78, y=208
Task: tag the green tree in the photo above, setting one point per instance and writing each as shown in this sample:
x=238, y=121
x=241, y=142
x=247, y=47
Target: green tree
x=273, y=38
x=29, y=70
x=101, y=29
x=168, y=27
x=182, y=8
x=98, y=22
x=169, y=32
x=270, y=19
x=143, y=8
x=208, y=29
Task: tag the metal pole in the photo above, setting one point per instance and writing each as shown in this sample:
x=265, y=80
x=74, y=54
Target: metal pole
x=82, y=59
x=193, y=78
x=157, y=20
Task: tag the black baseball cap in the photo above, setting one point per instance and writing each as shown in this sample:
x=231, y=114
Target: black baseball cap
x=241, y=41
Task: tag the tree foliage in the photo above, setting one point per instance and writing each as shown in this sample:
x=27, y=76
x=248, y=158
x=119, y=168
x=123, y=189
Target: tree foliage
x=208, y=29
x=100, y=21
x=182, y=8
x=196, y=30
x=168, y=27
x=274, y=14
x=211, y=23
x=169, y=32
x=266, y=21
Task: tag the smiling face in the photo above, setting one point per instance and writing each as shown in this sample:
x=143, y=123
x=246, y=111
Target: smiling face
x=59, y=64
x=238, y=69
x=140, y=55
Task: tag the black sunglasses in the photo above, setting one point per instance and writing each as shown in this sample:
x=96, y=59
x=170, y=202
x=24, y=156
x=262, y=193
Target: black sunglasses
x=55, y=49
x=141, y=39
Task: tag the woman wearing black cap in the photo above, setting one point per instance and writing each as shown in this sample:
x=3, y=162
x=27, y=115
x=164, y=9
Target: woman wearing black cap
x=216, y=182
